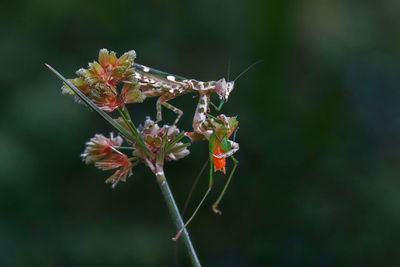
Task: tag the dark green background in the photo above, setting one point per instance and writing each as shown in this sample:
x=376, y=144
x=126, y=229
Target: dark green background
x=319, y=177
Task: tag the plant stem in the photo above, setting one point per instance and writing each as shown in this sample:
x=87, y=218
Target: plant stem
x=125, y=115
x=176, y=216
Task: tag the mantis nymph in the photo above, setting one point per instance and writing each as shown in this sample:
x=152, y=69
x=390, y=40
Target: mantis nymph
x=216, y=130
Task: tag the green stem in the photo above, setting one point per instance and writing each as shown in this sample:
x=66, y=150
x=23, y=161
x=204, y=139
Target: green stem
x=127, y=118
x=125, y=115
x=176, y=216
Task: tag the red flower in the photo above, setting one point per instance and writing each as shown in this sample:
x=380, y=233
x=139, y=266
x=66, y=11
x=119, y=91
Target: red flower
x=153, y=136
x=99, y=82
x=109, y=71
x=100, y=147
x=103, y=153
x=116, y=161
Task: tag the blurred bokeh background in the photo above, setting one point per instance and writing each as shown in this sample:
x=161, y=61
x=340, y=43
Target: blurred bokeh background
x=319, y=177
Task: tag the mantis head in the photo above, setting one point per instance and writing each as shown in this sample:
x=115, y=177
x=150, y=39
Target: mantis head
x=223, y=88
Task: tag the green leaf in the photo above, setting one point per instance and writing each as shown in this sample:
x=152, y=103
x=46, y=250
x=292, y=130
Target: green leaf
x=86, y=100
x=164, y=139
x=127, y=119
x=177, y=148
x=211, y=142
x=176, y=140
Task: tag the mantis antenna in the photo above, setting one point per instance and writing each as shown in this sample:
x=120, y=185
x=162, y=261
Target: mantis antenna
x=229, y=67
x=248, y=68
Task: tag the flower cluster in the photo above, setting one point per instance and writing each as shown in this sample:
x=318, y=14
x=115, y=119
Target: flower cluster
x=99, y=82
x=158, y=140
x=109, y=84
x=104, y=153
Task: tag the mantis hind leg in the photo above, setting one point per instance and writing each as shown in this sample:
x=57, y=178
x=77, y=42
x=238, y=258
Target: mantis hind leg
x=214, y=206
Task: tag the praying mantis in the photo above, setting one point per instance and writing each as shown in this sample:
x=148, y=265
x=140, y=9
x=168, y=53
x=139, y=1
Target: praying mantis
x=217, y=130
x=97, y=87
x=153, y=83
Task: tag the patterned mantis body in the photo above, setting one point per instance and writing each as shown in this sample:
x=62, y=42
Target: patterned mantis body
x=155, y=83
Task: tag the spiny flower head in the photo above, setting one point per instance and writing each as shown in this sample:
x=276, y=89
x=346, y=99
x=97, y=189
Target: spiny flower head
x=104, y=153
x=109, y=71
x=161, y=139
x=100, y=147
x=117, y=161
x=99, y=82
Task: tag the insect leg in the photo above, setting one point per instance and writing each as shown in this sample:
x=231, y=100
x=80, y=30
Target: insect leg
x=151, y=92
x=234, y=147
x=214, y=206
x=211, y=145
x=200, y=114
x=174, y=109
x=219, y=106
x=158, y=107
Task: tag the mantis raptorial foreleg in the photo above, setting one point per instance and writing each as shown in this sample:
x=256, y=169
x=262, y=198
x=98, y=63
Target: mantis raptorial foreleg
x=234, y=147
x=158, y=107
